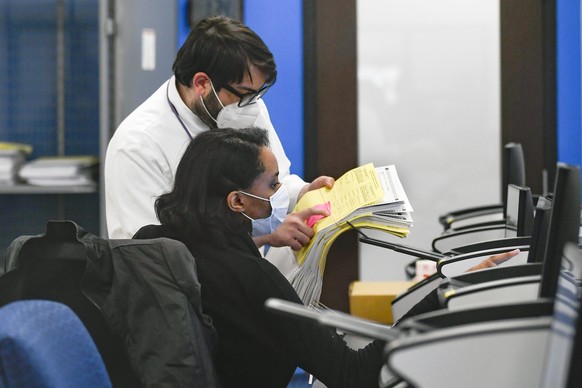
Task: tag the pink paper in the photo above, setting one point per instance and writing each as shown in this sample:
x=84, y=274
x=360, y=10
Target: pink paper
x=314, y=218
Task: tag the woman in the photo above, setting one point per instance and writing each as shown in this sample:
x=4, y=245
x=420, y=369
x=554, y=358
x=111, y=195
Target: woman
x=227, y=184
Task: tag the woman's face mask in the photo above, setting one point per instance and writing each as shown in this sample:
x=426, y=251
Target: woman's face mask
x=233, y=116
x=279, y=206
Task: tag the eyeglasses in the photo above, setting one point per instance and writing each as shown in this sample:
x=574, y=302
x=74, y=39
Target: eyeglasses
x=250, y=97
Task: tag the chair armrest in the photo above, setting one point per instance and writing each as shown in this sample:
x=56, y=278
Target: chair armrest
x=507, y=242
x=450, y=240
x=495, y=292
x=490, y=274
x=361, y=327
x=409, y=298
x=448, y=219
x=336, y=319
x=444, y=318
x=419, y=253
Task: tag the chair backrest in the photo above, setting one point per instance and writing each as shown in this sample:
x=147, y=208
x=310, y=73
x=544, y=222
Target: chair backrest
x=107, y=283
x=44, y=344
x=564, y=225
x=564, y=351
x=513, y=168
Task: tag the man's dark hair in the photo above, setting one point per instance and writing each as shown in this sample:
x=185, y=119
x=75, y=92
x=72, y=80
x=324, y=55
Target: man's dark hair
x=215, y=163
x=224, y=49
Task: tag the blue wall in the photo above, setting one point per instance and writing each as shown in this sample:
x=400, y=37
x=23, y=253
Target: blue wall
x=280, y=25
x=183, y=27
x=569, y=85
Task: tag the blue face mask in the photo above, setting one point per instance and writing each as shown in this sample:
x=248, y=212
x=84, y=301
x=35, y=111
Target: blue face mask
x=279, y=206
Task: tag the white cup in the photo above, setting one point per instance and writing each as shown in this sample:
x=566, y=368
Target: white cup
x=424, y=268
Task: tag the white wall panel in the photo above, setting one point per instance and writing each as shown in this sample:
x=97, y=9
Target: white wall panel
x=429, y=102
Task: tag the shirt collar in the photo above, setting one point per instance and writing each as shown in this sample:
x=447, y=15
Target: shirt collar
x=193, y=122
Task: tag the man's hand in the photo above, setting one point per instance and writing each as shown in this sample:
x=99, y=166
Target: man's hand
x=495, y=260
x=293, y=232
x=318, y=183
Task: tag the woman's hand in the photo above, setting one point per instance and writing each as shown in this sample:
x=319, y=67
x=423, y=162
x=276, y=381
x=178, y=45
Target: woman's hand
x=318, y=183
x=495, y=260
x=294, y=231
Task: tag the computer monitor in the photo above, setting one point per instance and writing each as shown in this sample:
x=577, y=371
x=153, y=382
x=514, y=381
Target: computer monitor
x=564, y=351
x=519, y=211
x=564, y=225
x=575, y=372
x=513, y=169
x=540, y=230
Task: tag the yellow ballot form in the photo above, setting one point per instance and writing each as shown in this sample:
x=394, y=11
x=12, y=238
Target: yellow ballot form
x=365, y=197
x=356, y=188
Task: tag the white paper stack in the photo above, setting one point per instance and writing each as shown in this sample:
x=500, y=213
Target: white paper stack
x=60, y=171
x=12, y=157
x=363, y=198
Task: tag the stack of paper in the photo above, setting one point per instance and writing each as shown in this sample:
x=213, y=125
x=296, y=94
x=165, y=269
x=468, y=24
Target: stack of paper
x=12, y=157
x=60, y=171
x=365, y=197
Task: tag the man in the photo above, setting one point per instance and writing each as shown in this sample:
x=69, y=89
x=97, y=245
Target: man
x=220, y=74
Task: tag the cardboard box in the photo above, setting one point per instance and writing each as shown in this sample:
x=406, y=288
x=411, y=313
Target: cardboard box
x=373, y=300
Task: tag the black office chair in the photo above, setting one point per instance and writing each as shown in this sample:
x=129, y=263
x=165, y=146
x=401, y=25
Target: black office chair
x=485, y=287
x=530, y=344
x=107, y=283
x=517, y=221
x=51, y=267
x=519, y=345
x=528, y=273
x=512, y=172
x=521, y=212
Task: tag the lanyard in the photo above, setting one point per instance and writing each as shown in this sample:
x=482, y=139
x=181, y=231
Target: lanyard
x=175, y=111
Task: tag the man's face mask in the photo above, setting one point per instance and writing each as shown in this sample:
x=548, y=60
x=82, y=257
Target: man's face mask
x=279, y=206
x=233, y=116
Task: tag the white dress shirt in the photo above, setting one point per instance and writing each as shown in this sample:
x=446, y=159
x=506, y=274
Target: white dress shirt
x=143, y=155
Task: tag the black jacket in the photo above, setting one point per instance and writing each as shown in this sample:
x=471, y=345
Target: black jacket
x=146, y=290
x=259, y=348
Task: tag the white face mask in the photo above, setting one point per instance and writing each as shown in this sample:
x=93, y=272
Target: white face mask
x=279, y=206
x=233, y=116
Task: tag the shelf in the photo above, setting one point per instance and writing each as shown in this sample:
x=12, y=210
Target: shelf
x=29, y=189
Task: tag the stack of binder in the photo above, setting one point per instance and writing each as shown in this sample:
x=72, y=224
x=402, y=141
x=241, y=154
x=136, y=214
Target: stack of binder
x=12, y=157
x=60, y=171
